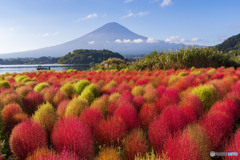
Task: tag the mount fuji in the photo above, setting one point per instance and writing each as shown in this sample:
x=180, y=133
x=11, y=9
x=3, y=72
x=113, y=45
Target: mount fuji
x=111, y=36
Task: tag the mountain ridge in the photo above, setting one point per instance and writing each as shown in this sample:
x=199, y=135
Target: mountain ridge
x=111, y=36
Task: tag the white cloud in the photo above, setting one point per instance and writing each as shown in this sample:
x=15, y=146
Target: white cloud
x=151, y=40
x=195, y=39
x=137, y=40
x=165, y=3
x=90, y=16
x=173, y=39
x=118, y=41
x=140, y=14
x=128, y=41
x=127, y=1
x=49, y=34
x=91, y=42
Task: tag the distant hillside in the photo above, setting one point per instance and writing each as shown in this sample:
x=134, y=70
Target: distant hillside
x=231, y=44
x=84, y=56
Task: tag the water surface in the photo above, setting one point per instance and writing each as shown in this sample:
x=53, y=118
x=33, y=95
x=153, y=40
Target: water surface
x=33, y=67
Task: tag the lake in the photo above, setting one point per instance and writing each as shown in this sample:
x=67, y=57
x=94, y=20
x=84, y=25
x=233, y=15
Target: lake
x=33, y=67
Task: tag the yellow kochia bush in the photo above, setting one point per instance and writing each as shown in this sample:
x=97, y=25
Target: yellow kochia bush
x=40, y=86
x=108, y=154
x=46, y=116
x=76, y=106
x=80, y=85
x=68, y=89
x=138, y=91
x=207, y=94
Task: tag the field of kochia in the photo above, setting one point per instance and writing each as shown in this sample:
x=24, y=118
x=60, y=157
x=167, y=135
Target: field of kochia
x=120, y=115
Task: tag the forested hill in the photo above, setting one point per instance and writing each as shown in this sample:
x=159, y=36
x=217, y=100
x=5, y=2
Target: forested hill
x=84, y=56
x=231, y=44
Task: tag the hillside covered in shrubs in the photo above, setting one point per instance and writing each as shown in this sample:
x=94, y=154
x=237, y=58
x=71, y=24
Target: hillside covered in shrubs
x=85, y=56
x=182, y=59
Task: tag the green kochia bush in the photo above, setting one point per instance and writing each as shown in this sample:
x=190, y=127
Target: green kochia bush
x=4, y=84
x=90, y=93
x=68, y=89
x=207, y=94
x=40, y=86
x=79, y=86
x=46, y=116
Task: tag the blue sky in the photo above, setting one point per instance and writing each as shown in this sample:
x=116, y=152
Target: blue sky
x=32, y=24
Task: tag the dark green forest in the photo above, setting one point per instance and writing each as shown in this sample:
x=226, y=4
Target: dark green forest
x=84, y=56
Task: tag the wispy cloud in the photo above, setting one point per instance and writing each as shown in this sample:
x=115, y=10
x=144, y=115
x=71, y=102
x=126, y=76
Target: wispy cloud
x=91, y=42
x=151, y=40
x=90, y=16
x=175, y=39
x=49, y=34
x=128, y=1
x=129, y=41
x=195, y=39
x=165, y=3
x=140, y=14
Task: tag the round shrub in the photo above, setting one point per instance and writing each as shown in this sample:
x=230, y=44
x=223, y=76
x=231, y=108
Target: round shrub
x=80, y=85
x=46, y=116
x=234, y=145
x=80, y=141
x=26, y=137
x=93, y=89
x=62, y=107
x=124, y=87
x=138, y=102
x=207, y=94
x=198, y=134
x=32, y=101
x=76, y=106
x=12, y=98
x=40, y=86
x=169, y=97
x=101, y=104
x=129, y=115
x=113, y=97
x=9, y=111
x=49, y=94
x=59, y=97
x=108, y=153
x=4, y=84
x=88, y=95
x=182, y=146
x=150, y=95
x=218, y=127
x=68, y=89
x=91, y=117
x=158, y=134
x=14, y=120
x=135, y=144
x=147, y=114
x=111, y=131
x=23, y=91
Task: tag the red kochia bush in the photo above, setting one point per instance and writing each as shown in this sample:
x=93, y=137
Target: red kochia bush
x=128, y=114
x=27, y=137
x=182, y=146
x=227, y=106
x=170, y=121
x=125, y=97
x=72, y=135
x=135, y=144
x=147, y=114
x=192, y=107
x=218, y=127
x=31, y=101
x=234, y=146
x=111, y=131
x=62, y=107
x=138, y=101
x=91, y=117
x=169, y=97
x=9, y=111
